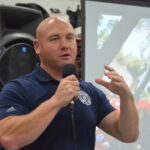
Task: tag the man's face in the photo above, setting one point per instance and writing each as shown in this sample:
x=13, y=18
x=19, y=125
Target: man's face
x=57, y=46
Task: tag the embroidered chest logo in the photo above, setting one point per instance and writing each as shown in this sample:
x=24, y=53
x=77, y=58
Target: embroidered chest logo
x=11, y=109
x=84, y=98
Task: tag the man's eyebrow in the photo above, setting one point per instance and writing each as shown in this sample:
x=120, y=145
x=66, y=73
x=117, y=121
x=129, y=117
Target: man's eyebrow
x=71, y=34
x=57, y=35
x=53, y=35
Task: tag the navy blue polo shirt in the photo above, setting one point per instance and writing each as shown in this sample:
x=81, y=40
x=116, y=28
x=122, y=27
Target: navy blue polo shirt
x=23, y=95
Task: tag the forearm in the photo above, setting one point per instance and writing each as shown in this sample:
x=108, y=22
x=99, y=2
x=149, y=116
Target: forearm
x=129, y=121
x=123, y=125
x=19, y=131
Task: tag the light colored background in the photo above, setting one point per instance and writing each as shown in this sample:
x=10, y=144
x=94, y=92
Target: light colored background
x=62, y=5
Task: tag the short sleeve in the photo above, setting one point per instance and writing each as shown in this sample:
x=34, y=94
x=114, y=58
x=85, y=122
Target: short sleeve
x=100, y=102
x=12, y=101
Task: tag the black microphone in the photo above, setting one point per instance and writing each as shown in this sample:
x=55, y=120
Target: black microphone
x=70, y=69
x=67, y=70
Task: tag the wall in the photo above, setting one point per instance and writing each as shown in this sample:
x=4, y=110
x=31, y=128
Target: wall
x=62, y=5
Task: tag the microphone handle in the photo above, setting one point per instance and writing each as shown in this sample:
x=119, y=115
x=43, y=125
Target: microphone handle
x=71, y=105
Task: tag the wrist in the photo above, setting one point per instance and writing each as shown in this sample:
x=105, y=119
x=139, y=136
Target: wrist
x=55, y=103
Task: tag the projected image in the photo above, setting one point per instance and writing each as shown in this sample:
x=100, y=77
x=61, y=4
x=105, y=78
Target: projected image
x=106, y=24
x=119, y=35
x=133, y=62
x=133, y=59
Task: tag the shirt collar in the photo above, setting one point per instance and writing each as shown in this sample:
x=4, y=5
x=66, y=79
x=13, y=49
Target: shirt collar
x=41, y=74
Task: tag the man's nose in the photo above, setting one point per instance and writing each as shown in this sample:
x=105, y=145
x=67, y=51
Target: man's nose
x=64, y=44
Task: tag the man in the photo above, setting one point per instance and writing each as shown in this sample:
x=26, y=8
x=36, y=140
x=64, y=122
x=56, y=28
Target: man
x=34, y=109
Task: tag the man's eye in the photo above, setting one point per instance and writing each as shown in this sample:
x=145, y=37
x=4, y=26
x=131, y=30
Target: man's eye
x=53, y=39
x=70, y=37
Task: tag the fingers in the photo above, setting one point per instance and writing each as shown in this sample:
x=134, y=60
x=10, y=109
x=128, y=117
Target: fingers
x=71, y=78
x=101, y=82
x=112, y=74
x=109, y=68
x=115, y=78
x=71, y=84
x=68, y=89
x=116, y=84
x=71, y=88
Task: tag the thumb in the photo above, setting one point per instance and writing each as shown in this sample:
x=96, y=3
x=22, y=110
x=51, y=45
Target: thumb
x=102, y=82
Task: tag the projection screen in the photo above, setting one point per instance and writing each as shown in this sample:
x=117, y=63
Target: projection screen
x=117, y=33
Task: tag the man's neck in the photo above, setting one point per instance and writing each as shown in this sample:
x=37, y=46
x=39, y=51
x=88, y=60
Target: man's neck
x=53, y=72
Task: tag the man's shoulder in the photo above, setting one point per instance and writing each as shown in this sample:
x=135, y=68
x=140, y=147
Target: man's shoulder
x=86, y=85
x=19, y=82
x=27, y=78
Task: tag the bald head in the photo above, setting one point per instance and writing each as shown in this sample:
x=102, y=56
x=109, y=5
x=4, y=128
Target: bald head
x=50, y=23
x=55, y=44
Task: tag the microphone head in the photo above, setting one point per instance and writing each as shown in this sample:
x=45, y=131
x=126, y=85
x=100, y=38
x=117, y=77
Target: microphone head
x=69, y=69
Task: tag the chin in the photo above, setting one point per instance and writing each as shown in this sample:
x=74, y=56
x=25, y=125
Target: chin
x=68, y=62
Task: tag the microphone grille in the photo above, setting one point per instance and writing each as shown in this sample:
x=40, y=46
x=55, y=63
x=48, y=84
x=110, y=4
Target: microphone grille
x=69, y=69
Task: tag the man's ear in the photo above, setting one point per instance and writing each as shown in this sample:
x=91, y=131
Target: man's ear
x=36, y=46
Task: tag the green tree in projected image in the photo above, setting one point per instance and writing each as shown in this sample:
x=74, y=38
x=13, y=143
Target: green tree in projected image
x=135, y=55
x=106, y=24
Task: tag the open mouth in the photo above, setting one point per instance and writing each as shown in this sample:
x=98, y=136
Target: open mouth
x=65, y=56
